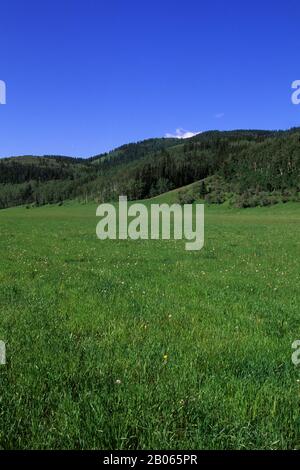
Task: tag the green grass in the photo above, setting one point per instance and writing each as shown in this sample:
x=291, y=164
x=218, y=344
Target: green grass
x=87, y=324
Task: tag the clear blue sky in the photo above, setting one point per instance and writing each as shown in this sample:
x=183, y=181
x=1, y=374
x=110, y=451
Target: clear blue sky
x=84, y=76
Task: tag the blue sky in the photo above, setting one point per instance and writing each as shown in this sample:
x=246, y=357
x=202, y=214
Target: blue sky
x=86, y=76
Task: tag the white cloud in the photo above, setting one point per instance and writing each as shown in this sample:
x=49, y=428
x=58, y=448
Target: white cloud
x=182, y=134
x=219, y=115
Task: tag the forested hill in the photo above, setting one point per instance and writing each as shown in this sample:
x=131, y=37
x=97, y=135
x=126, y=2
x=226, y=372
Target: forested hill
x=246, y=167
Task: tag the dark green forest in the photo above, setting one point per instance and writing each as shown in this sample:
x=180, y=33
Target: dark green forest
x=245, y=167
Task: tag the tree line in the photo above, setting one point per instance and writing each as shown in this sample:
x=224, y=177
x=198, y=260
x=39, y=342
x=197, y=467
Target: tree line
x=244, y=163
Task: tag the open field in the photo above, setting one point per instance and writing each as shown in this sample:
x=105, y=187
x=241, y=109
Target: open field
x=130, y=344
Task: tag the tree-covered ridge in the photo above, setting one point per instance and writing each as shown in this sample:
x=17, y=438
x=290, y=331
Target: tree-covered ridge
x=249, y=167
x=25, y=169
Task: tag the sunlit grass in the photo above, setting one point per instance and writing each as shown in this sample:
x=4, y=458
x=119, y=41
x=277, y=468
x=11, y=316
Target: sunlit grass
x=141, y=344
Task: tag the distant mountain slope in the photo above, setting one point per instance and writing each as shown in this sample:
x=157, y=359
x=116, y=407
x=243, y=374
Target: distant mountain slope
x=135, y=151
x=249, y=167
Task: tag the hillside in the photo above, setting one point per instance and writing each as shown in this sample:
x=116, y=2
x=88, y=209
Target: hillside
x=245, y=167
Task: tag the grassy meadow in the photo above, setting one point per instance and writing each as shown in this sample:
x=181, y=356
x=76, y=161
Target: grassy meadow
x=143, y=345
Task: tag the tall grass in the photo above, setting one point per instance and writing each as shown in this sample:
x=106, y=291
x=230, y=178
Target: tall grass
x=143, y=345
